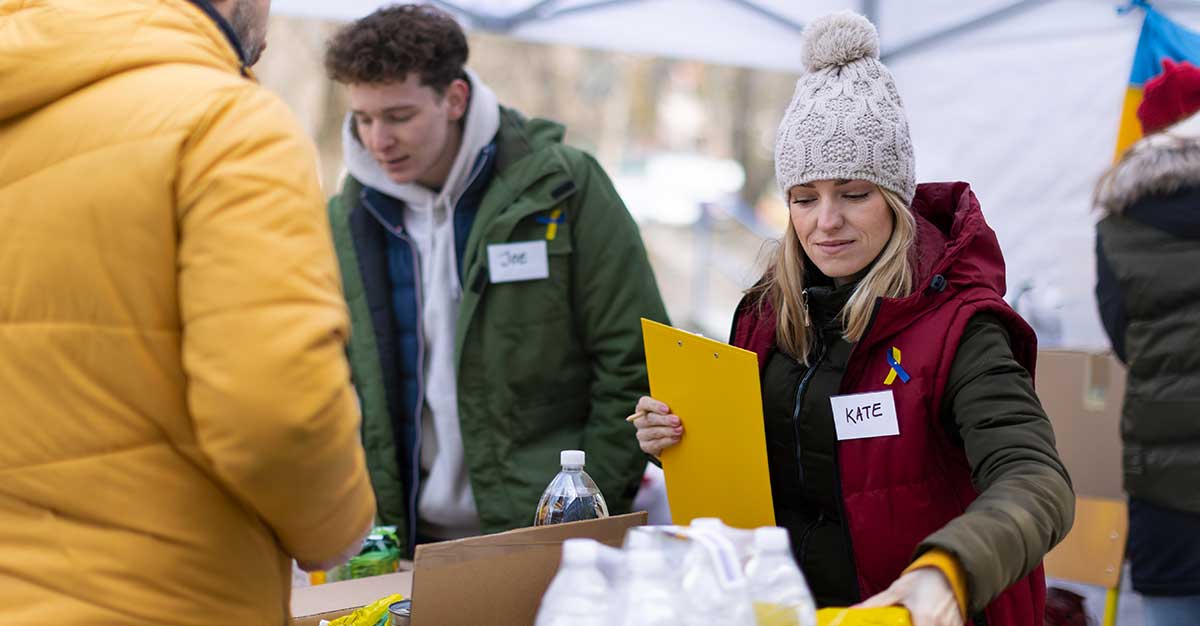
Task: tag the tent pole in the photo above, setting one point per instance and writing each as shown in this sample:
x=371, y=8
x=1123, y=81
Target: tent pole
x=478, y=20
x=501, y=23
x=972, y=24
x=582, y=8
x=536, y=10
x=755, y=7
x=546, y=9
x=870, y=10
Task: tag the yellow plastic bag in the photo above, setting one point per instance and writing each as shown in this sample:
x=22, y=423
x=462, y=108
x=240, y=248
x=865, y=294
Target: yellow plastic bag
x=368, y=615
x=886, y=616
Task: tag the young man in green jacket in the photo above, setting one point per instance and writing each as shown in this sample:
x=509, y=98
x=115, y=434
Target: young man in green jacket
x=495, y=282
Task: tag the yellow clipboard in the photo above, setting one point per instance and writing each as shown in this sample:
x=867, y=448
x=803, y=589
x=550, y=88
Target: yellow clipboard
x=719, y=468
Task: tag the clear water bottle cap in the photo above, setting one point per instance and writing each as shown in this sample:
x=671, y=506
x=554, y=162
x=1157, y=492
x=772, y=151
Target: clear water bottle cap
x=572, y=458
x=713, y=524
x=771, y=539
x=580, y=552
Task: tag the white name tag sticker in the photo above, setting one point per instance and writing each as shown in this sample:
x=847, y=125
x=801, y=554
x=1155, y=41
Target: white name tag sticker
x=865, y=415
x=513, y=262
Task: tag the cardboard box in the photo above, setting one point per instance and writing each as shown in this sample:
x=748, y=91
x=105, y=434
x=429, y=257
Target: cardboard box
x=1082, y=393
x=496, y=580
x=310, y=605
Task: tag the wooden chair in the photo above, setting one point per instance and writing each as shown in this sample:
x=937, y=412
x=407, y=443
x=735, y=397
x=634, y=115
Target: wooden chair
x=1093, y=553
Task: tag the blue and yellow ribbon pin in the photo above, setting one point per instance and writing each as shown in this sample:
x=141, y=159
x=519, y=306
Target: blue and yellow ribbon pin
x=552, y=222
x=893, y=359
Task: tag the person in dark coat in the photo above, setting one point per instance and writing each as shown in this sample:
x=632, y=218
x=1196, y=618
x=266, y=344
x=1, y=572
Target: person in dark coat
x=1147, y=252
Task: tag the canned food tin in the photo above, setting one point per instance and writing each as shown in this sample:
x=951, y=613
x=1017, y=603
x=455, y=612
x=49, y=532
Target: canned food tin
x=400, y=613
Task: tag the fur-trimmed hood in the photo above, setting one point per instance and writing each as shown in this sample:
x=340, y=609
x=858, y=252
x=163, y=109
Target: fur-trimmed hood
x=1160, y=164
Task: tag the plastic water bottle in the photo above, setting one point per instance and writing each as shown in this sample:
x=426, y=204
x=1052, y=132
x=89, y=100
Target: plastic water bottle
x=714, y=588
x=780, y=594
x=572, y=495
x=579, y=595
x=637, y=539
x=649, y=596
x=742, y=540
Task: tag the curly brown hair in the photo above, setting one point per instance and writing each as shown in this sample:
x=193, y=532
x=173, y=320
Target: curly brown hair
x=389, y=44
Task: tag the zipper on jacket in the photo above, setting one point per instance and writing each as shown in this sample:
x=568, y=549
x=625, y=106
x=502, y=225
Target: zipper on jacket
x=801, y=390
x=417, y=414
x=476, y=170
x=837, y=466
x=804, y=536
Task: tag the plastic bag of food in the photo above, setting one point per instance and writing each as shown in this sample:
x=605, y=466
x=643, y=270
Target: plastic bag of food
x=373, y=614
x=380, y=555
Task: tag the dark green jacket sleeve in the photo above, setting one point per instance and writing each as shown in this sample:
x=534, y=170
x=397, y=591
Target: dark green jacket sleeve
x=614, y=288
x=1026, y=504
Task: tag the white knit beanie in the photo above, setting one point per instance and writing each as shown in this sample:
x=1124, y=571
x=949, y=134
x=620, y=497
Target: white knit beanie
x=846, y=119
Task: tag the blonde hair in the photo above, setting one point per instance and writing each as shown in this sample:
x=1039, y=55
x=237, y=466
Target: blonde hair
x=890, y=276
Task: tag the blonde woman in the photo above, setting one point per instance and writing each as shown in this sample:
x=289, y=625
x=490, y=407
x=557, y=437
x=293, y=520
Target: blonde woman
x=888, y=288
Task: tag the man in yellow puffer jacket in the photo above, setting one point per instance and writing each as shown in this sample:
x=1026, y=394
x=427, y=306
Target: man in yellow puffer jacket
x=176, y=419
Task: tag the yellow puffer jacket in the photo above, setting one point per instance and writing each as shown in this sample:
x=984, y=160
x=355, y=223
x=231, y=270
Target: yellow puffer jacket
x=176, y=418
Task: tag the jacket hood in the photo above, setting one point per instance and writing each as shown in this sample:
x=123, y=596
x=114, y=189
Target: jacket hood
x=1159, y=164
x=954, y=241
x=956, y=251
x=52, y=48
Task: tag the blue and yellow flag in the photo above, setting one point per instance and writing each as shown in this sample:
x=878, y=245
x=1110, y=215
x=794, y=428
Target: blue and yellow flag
x=1160, y=39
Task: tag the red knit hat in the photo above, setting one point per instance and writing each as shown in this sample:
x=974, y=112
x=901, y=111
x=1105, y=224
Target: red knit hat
x=1169, y=97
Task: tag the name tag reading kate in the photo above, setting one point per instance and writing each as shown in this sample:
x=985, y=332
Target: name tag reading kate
x=865, y=415
x=513, y=262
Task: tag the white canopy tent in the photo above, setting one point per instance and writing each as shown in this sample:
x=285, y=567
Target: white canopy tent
x=751, y=33
x=1019, y=97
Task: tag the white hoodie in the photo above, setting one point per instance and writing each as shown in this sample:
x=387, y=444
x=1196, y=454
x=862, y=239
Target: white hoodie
x=446, y=505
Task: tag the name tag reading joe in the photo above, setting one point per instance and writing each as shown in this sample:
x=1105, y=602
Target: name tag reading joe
x=513, y=262
x=865, y=415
